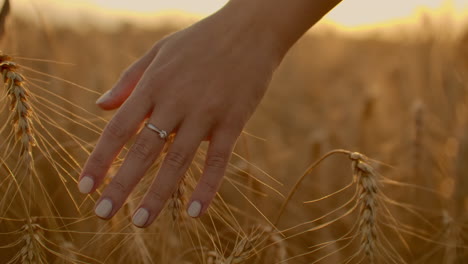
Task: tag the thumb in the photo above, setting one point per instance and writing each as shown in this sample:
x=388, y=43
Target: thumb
x=115, y=97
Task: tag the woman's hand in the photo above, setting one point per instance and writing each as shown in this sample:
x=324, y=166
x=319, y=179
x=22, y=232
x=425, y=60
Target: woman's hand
x=203, y=82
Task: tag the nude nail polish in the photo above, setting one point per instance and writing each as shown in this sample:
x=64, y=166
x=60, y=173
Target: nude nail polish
x=104, y=97
x=140, y=217
x=104, y=208
x=194, y=209
x=86, y=184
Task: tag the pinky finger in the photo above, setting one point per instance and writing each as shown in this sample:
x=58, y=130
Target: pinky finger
x=219, y=153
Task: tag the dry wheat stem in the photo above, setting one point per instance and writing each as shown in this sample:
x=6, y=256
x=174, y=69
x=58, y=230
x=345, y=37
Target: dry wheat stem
x=452, y=236
x=277, y=242
x=299, y=181
x=418, y=115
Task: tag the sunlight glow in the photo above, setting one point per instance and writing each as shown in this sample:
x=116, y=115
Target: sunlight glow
x=349, y=15
x=354, y=13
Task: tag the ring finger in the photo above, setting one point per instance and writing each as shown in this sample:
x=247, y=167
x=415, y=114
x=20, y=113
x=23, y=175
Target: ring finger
x=138, y=160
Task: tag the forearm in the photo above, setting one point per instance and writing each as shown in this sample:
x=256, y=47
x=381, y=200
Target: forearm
x=285, y=21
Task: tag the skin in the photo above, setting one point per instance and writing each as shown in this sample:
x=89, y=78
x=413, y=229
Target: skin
x=204, y=83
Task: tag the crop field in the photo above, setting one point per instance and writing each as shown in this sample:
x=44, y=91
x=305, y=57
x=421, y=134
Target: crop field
x=357, y=154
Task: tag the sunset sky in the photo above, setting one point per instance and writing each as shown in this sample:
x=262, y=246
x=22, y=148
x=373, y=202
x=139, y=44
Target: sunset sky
x=350, y=13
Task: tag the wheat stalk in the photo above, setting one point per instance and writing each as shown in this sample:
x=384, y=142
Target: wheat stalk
x=31, y=250
x=366, y=181
x=367, y=188
x=417, y=141
x=243, y=250
x=68, y=252
x=177, y=202
x=280, y=253
x=19, y=106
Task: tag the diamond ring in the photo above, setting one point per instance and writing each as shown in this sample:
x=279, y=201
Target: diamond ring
x=162, y=133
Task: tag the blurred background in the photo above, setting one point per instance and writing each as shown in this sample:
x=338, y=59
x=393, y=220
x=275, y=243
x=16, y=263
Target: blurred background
x=385, y=78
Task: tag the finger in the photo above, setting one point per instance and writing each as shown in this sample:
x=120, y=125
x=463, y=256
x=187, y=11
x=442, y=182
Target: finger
x=139, y=159
x=177, y=160
x=126, y=83
x=118, y=131
x=217, y=159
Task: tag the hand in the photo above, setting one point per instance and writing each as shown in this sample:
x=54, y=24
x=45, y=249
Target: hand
x=203, y=82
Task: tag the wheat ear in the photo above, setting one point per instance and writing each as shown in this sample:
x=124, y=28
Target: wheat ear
x=366, y=179
x=177, y=201
x=243, y=250
x=19, y=105
x=31, y=250
x=367, y=188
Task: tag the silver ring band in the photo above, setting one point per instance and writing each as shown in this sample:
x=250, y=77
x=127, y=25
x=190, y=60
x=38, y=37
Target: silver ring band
x=162, y=133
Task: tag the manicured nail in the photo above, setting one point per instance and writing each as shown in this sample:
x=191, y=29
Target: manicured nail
x=104, y=208
x=140, y=217
x=106, y=96
x=86, y=184
x=194, y=209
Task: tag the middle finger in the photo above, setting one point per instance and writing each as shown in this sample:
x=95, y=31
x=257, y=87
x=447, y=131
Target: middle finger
x=178, y=158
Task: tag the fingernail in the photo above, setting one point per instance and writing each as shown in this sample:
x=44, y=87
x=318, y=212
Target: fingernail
x=194, y=209
x=140, y=217
x=86, y=184
x=104, y=208
x=103, y=97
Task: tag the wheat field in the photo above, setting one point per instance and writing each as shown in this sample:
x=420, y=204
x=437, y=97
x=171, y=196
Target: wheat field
x=357, y=154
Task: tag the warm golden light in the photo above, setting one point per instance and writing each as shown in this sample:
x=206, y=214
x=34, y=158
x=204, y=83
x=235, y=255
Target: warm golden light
x=350, y=14
x=192, y=6
x=354, y=13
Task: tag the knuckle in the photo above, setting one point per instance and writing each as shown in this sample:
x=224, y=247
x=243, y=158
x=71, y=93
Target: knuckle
x=236, y=126
x=96, y=163
x=176, y=159
x=114, y=129
x=232, y=128
x=217, y=160
x=141, y=150
x=155, y=195
x=209, y=186
x=212, y=108
x=126, y=74
x=118, y=186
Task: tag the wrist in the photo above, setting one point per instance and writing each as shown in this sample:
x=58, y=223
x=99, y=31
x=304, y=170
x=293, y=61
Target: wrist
x=280, y=22
x=245, y=28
